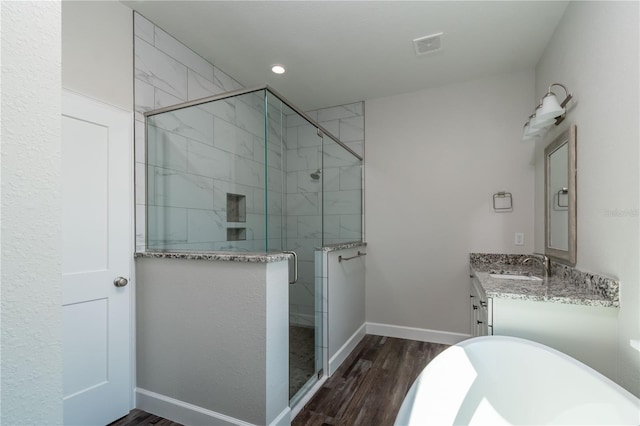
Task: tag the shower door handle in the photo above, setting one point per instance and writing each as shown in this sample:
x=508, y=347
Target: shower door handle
x=295, y=265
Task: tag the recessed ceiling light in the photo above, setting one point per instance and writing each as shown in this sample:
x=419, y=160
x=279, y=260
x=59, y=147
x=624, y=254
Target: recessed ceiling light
x=278, y=69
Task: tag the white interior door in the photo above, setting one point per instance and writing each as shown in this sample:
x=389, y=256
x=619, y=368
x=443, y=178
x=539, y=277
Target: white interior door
x=97, y=249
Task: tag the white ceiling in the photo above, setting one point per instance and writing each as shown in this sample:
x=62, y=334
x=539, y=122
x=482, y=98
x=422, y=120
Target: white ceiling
x=338, y=52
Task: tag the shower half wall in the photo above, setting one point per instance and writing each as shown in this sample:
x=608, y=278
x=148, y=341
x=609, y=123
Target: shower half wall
x=247, y=172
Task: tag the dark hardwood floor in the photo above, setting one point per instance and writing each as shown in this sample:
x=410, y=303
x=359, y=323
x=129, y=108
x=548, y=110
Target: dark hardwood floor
x=138, y=418
x=367, y=389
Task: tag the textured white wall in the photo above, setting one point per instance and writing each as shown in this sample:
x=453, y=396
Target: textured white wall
x=594, y=52
x=97, y=51
x=434, y=159
x=31, y=337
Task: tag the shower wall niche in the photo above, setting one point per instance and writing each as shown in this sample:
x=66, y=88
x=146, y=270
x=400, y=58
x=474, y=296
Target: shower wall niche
x=236, y=208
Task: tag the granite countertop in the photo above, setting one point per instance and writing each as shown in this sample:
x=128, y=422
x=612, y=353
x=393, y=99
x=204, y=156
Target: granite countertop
x=565, y=285
x=342, y=246
x=238, y=256
x=218, y=256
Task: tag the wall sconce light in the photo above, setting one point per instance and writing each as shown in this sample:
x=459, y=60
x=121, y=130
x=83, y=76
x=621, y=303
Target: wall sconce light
x=530, y=132
x=546, y=114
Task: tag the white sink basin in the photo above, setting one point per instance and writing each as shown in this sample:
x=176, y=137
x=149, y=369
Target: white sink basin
x=515, y=277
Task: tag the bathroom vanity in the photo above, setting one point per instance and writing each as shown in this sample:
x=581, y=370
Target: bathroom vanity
x=479, y=302
x=572, y=311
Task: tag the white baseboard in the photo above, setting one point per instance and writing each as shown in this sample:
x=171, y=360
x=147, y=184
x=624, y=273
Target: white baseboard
x=189, y=414
x=183, y=412
x=420, y=334
x=283, y=419
x=341, y=354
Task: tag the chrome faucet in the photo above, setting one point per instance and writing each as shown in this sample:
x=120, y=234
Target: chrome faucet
x=545, y=262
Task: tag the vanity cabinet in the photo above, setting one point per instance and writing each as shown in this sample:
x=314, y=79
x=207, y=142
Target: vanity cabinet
x=576, y=315
x=587, y=333
x=480, y=307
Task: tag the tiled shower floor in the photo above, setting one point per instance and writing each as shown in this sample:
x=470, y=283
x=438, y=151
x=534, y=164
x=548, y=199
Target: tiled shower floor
x=301, y=357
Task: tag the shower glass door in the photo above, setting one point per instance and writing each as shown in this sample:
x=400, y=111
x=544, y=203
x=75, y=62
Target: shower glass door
x=294, y=223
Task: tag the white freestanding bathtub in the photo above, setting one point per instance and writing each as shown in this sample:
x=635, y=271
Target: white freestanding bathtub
x=496, y=380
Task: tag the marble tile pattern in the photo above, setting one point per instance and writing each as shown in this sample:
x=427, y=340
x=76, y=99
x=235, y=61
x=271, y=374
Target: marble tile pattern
x=341, y=177
x=200, y=154
x=346, y=122
x=219, y=256
x=565, y=285
x=187, y=157
x=338, y=191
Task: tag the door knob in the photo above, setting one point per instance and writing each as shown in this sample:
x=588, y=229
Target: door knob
x=120, y=282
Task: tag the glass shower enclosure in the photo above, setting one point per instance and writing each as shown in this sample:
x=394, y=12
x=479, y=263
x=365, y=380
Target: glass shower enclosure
x=246, y=171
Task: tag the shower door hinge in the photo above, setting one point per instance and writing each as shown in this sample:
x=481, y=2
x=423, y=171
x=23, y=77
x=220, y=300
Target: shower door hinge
x=319, y=133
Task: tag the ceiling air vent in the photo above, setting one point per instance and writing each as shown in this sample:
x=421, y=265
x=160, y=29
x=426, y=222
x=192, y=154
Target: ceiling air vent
x=427, y=44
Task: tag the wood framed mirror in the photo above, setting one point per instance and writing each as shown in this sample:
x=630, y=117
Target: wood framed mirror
x=560, y=197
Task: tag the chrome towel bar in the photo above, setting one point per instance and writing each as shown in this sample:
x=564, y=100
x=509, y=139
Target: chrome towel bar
x=340, y=258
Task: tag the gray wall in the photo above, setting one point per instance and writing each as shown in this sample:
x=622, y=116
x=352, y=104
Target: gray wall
x=594, y=52
x=97, y=51
x=214, y=334
x=31, y=297
x=434, y=159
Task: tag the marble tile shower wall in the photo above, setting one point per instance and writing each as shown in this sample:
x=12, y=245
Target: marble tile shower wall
x=199, y=155
x=194, y=166
x=346, y=122
x=189, y=161
x=342, y=180
x=342, y=173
